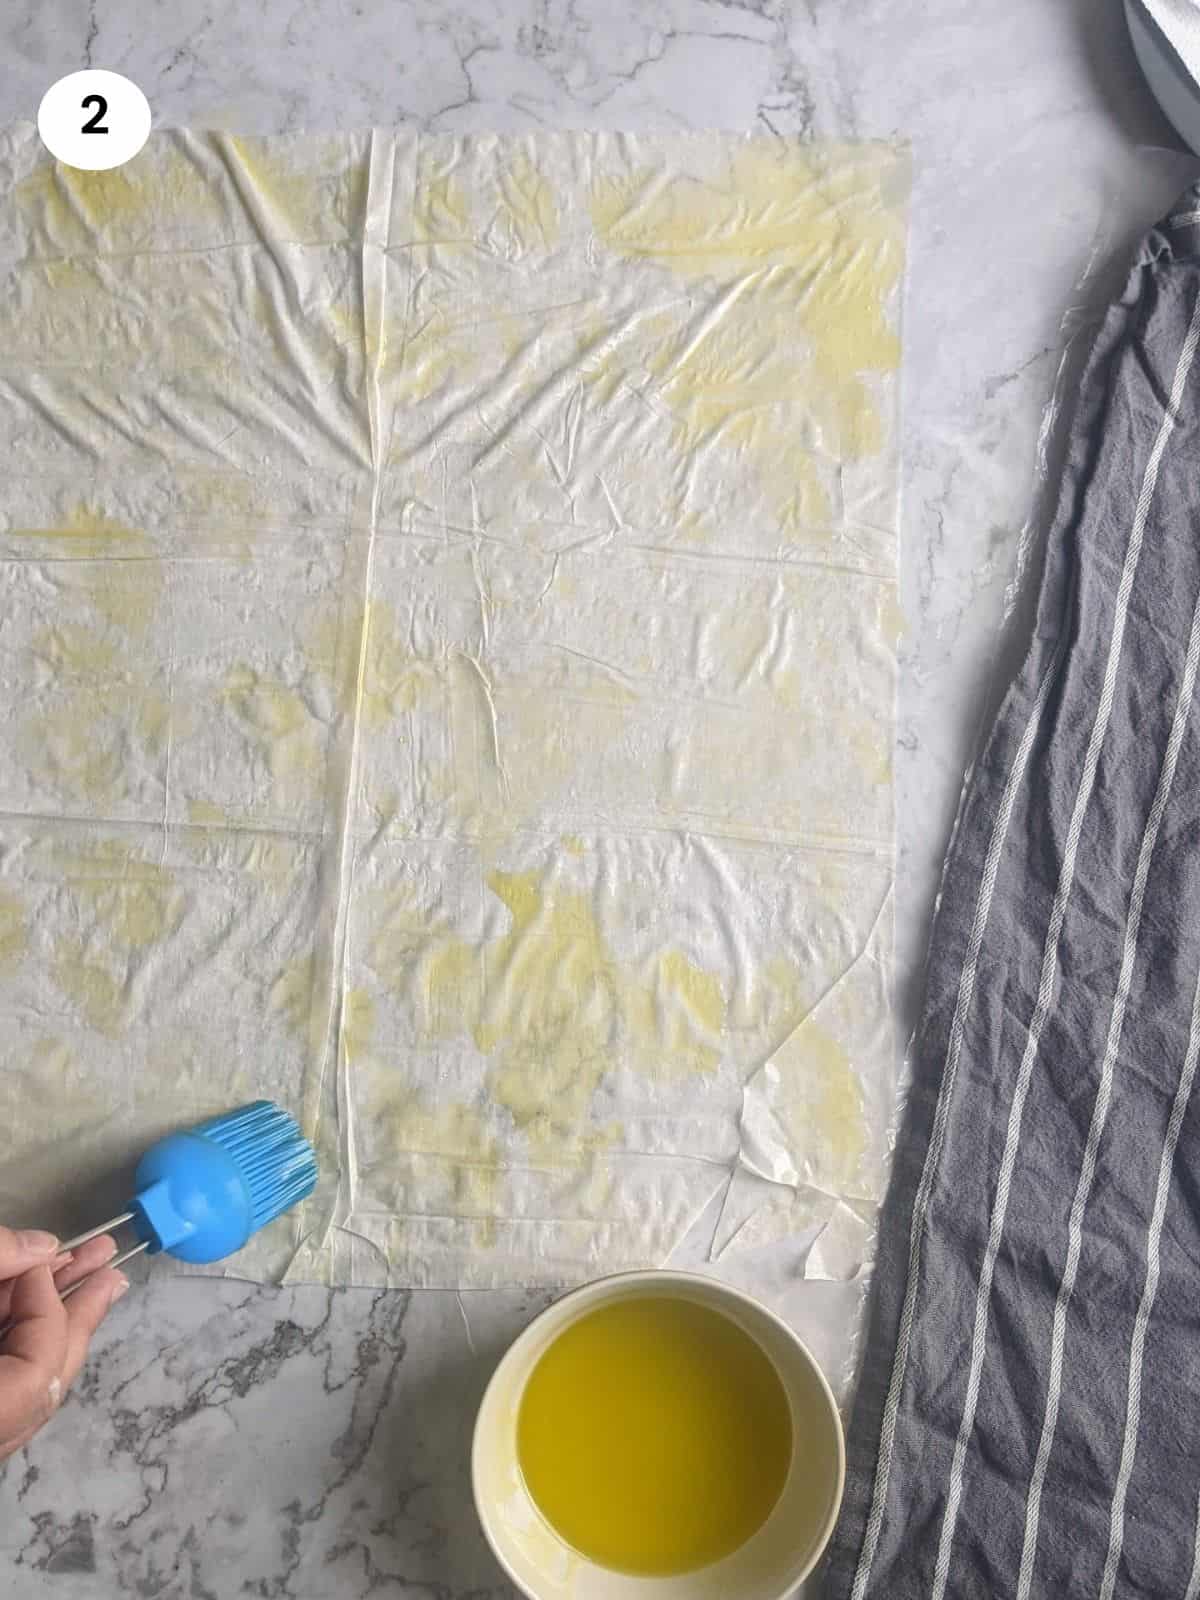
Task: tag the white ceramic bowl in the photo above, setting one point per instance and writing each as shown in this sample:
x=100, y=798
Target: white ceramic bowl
x=767, y=1567
x=1170, y=83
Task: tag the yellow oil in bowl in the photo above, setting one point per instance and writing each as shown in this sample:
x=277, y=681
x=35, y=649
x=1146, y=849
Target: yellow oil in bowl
x=654, y=1435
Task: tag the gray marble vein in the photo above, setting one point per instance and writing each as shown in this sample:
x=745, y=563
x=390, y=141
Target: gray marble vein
x=234, y=1441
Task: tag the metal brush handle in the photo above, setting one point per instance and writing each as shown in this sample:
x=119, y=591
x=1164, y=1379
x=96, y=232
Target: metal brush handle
x=117, y=1261
x=94, y=1233
x=82, y=1238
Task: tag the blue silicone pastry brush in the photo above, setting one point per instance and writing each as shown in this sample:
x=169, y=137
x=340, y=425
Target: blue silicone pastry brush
x=201, y=1193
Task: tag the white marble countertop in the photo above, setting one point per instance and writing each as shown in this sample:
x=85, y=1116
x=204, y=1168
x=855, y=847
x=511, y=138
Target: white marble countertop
x=230, y=1440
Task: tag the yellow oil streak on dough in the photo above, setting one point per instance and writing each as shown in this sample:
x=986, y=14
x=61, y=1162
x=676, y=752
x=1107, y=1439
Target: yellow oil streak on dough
x=452, y=980
x=819, y=1090
x=403, y=1122
x=230, y=508
x=204, y=814
x=804, y=248
x=124, y=580
x=70, y=277
x=528, y=203
x=86, y=534
x=346, y=321
x=838, y=1096
x=277, y=718
x=71, y=648
x=316, y=198
x=290, y=997
x=68, y=748
x=56, y=1079
x=441, y=212
x=73, y=207
x=871, y=745
x=458, y=1135
x=38, y=1081
x=12, y=930
x=137, y=899
x=331, y=639
x=430, y=348
x=698, y=991
x=82, y=747
x=128, y=905
x=271, y=859
x=358, y=1022
x=99, y=995
x=321, y=639
x=394, y=677
x=400, y=930
x=435, y=350
x=554, y=1010
x=310, y=199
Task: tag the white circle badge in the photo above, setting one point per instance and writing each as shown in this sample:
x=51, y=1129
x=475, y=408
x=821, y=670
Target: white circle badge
x=94, y=119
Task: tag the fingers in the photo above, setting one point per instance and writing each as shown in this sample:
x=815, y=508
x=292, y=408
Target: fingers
x=73, y=1267
x=86, y=1310
x=33, y=1354
x=21, y=1249
x=68, y=1269
x=86, y=1259
x=18, y=1252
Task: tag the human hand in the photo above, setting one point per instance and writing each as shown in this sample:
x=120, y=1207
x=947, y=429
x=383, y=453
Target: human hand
x=43, y=1350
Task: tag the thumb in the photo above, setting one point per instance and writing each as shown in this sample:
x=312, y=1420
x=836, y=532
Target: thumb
x=21, y=1249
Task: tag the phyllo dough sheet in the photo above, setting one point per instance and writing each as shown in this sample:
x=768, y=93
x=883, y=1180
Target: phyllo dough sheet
x=447, y=657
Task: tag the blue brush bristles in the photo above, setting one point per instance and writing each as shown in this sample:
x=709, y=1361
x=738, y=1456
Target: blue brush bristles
x=275, y=1158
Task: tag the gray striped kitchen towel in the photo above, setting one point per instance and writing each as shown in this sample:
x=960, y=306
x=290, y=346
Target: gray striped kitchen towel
x=1028, y=1415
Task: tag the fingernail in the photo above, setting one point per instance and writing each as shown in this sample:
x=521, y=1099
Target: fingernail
x=36, y=1242
x=119, y=1288
x=64, y=1258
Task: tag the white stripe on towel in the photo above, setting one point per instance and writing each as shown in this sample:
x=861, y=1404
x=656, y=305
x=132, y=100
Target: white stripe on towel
x=1133, y=1399
x=1045, y=991
x=1193, y=1588
x=966, y=989
x=1087, y=1169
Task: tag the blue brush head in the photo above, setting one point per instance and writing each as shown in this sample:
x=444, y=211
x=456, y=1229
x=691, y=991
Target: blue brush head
x=201, y=1194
